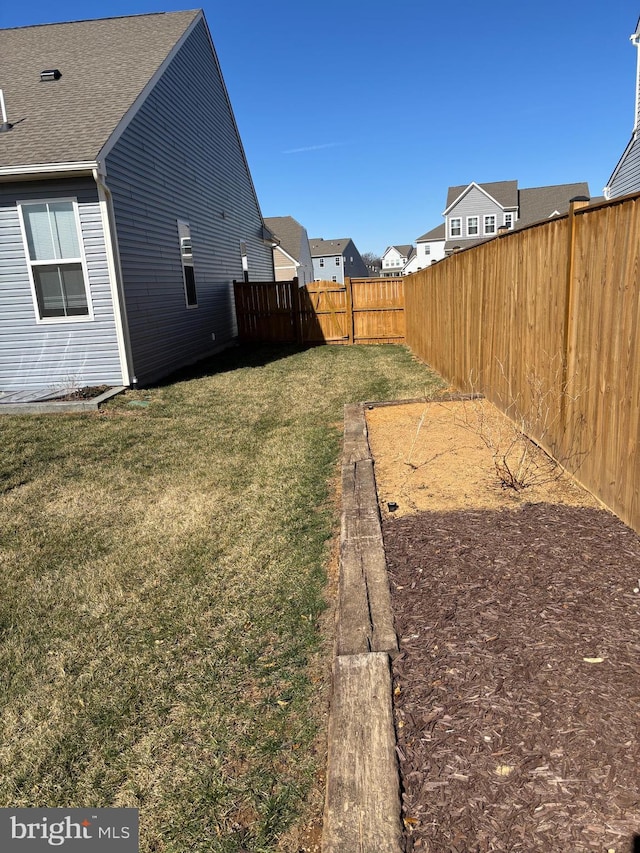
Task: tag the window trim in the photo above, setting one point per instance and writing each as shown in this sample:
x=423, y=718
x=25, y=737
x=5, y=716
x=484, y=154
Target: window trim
x=512, y=214
x=82, y=260
x=453, y=219
x=484, y=224
x=476, y=233
x=189, y=263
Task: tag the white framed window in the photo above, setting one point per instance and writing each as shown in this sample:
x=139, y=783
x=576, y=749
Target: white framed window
x=321, y=262
x=57, y=265
x=427, y=249
x=509, y=219
x=334, y=278
x=186, y=256
x=473, y=226
x=455, y=226
x=490, y=223
x=338, y=261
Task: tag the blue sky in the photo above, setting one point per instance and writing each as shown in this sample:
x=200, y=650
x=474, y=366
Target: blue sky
x=356, y=116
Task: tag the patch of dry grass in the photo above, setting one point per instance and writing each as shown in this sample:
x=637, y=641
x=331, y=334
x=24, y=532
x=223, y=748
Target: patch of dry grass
x=163, y=579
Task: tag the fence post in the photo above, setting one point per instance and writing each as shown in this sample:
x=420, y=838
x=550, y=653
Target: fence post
x=296, y=307
x=568, y=354
x=350, y=324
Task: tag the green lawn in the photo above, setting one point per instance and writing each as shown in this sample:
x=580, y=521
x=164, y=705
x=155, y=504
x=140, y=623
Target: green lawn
x=163, y=566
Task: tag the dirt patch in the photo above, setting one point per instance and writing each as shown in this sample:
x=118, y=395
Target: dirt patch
x=516, y=690
x=432, y=456
x=89, y=392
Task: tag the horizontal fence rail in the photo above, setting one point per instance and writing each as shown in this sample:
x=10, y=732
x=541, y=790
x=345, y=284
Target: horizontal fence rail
x=360, y=311
x=546, y=322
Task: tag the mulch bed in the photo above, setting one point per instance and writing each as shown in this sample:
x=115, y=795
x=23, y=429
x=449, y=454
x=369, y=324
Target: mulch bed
x=517, y=688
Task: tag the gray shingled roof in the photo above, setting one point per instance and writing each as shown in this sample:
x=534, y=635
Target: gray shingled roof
x=322, y=248
x=437, y=233
x=105, y=64
x=538, y=203
x=404, y=251
x=289, y=232
x=465, y=244
x=504, y=192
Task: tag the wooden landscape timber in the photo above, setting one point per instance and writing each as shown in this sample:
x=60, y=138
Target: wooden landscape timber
x=362, y=808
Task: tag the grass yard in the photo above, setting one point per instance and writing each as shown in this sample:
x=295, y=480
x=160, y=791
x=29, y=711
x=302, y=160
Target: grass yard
x=164, y=569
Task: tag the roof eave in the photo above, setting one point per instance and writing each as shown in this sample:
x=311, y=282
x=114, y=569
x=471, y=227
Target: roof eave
x=44, y=171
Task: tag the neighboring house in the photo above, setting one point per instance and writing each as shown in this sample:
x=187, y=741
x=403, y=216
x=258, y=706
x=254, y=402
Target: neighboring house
x=374, y=265
x=394, y=260
x=292, y=255
x=126, y=203
x=476, y=212
x=429, y=249
x=335, y=260
x=625, y=178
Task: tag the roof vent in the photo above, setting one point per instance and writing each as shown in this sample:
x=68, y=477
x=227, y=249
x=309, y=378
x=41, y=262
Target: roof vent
x=51, y=74
x=6, y=125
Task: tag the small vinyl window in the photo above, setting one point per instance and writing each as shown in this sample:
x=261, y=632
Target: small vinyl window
x=490, y=224
x=455, y=227
x=186, y=256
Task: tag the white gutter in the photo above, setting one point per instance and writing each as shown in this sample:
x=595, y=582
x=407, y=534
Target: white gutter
x=115, y=276
x=43, y=169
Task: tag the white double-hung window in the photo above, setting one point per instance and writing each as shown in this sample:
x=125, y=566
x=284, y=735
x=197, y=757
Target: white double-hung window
x=57, y=266
x=490, y=224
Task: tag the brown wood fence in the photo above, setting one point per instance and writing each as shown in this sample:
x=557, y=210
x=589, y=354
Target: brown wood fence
x=547, y=321
x=361, y=311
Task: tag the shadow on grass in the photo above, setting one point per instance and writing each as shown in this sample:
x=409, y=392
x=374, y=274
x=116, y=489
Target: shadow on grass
x=233, y=358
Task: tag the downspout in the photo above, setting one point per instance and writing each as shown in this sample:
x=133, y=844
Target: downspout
x=115, y=276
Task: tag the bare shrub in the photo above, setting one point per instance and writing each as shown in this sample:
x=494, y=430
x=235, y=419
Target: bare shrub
x=520, y=460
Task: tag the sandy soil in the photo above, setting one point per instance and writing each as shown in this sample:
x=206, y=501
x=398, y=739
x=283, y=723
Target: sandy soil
x=434, y=457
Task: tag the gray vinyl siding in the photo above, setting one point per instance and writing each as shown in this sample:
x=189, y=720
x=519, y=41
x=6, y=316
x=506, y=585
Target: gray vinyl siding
x=180, y=158
x=627, y=175
x=355, y=268
x=37, y=355
x=329, y=270
x=474, y=203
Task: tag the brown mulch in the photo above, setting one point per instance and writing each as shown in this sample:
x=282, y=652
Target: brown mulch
x=517, y=688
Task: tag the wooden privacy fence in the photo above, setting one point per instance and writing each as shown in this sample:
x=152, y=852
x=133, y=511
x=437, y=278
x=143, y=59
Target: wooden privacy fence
x=360, y=311
x=546, y=322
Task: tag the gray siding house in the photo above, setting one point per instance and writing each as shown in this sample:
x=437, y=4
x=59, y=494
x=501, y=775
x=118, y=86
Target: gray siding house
x=126, y=203
x=625, y=178
x=335, y=260
x=476, y=212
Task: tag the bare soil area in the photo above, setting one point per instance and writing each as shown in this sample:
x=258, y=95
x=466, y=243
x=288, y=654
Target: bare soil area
x=517, y=687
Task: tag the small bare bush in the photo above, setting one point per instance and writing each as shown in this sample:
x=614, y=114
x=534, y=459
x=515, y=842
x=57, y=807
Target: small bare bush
x=520, y=461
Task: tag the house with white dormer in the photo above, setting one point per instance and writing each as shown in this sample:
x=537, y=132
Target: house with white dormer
x=477, y=212
x=394, y=260
x=625, y=178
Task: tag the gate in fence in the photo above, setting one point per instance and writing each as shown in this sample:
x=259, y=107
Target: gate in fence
x=360, y=311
